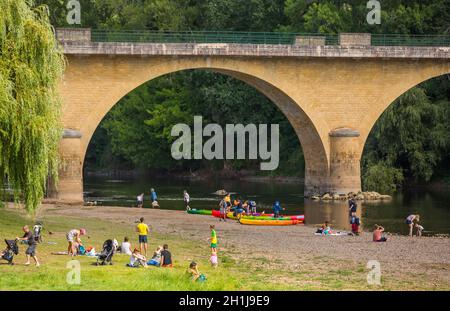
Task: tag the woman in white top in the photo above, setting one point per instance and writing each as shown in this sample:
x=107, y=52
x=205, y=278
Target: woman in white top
x=125, y=248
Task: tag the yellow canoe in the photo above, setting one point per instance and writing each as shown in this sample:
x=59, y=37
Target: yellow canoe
x=257, y=222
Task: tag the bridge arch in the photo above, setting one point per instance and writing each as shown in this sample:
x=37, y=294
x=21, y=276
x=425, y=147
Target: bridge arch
x=93, y=85
x=422, y=73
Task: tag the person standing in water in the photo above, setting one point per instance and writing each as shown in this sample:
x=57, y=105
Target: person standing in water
x=154, y=198
x=186, y=199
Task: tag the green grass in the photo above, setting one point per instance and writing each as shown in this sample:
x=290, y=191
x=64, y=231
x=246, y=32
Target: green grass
x=52, y=273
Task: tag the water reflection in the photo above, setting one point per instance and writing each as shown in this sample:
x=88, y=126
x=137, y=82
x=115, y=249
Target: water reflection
x=336, y=213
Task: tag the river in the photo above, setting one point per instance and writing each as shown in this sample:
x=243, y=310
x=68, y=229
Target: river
x=433, y=206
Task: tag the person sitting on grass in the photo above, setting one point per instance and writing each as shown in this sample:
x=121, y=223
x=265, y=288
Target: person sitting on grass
x=156, y=259
x=166, y=257
x=125, y=248
x=213, y=259
x=31, y=241
x=137, y=259
x=74, y=239
x=378, y=234
x=195, y=274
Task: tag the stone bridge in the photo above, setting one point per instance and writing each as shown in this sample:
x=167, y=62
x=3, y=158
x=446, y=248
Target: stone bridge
x=331, y=94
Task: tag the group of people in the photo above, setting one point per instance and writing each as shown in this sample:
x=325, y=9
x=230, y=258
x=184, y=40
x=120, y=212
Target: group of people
x=161, y=256
x=378, y=232
x=237, y=206
x=153, y=199
x=240, y=207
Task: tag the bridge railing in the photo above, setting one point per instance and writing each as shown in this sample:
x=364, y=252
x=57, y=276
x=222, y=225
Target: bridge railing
x=285, y=38
x=148, y=36
x=410, y=40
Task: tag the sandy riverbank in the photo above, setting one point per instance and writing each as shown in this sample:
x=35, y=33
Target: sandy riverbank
x=402, y=259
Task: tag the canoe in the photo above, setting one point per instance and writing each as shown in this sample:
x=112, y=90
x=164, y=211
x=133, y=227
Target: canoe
x=257, y=222
x=299, y=218
x=200, y=212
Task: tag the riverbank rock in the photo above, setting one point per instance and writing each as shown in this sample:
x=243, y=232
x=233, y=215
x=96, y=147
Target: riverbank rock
x=361, y=196
x=326, y=197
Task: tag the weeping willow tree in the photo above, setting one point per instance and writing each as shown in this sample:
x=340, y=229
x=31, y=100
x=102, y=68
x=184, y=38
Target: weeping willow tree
x=31, y=65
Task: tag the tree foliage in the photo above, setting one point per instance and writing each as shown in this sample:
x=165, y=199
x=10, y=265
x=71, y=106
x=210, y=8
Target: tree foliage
x=30, y=66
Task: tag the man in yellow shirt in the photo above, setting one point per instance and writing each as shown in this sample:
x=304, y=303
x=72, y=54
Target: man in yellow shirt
x=143, y=230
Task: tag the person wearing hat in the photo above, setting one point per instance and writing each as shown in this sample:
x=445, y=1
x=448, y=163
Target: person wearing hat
x=73, y=236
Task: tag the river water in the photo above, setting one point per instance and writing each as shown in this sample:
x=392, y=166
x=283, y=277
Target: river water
x=433, y=206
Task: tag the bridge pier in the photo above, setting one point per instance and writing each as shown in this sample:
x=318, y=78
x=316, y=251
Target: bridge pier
x=345, y=158
x=70, y=183
x=342, y=173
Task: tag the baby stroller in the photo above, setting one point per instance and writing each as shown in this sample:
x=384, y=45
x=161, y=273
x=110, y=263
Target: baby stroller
x=107, y=253
x=11, y=250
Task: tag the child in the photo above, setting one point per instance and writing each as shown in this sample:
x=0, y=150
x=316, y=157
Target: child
x=277, y=209
x=419, y=229
x=137, y=259
x=246, y=207
x=355, y=226
x=213, y=238
x=166, y=257
x=195, y=274
x=156, y=259
x=222, y=210
x=31, y=241
x=125, y=248
x=252, y=205
x=213, y=259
